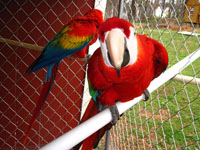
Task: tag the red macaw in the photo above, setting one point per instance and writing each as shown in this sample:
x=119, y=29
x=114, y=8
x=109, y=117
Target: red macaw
x=72, y=39
x=120, y=70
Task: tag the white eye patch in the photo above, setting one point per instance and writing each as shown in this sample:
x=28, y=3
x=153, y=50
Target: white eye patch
x=132, y=46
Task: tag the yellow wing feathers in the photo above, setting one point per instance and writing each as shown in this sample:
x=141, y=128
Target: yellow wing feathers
x=72, y=42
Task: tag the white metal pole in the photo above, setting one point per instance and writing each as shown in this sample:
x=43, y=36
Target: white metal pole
x=79, y=133
x=101, y=5
x=121, y=7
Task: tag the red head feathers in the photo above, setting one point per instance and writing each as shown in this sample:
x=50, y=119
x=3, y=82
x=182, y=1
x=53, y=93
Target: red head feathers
x=113, y=23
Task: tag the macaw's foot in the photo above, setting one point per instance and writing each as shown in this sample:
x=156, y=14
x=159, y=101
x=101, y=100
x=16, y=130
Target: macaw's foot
x=87, y=57
x=146, y=94
x=115, y=114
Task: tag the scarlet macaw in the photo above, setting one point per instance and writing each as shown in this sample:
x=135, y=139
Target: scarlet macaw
x=73, y=38
x=120, y=70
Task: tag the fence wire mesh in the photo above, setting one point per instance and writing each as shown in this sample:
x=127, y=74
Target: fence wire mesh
x=169, y=120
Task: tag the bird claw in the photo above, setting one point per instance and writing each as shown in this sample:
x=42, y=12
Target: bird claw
x=115, y=114
x=87, y=57
x=146, y=95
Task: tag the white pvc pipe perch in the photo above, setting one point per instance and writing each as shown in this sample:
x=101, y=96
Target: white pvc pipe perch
x=79, y=133
x=186, y=79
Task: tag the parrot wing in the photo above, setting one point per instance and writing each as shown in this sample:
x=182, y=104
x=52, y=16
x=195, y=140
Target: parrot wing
x=65, y=43
x=94, y=93
x=160, y=58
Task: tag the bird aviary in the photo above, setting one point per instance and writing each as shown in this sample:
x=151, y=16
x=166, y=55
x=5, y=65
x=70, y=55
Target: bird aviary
x=169, y=120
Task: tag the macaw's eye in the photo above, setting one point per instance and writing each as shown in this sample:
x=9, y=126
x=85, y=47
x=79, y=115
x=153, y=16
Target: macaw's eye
x=126, y=58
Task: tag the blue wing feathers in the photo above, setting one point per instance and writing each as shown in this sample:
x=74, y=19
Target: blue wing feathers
x=51, y=55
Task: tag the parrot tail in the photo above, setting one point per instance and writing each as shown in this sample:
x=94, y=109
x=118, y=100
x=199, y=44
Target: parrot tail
x=92, y=141
x=36, y=65
x=47, y=85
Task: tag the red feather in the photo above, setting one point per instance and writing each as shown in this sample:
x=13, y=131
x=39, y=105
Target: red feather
x=160, y=58
x=47, y=85
x=112, y=23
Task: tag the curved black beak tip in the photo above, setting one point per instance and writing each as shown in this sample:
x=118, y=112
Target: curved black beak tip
x=118, y=71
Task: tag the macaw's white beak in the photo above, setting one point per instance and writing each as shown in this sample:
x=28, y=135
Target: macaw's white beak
x=115, y=45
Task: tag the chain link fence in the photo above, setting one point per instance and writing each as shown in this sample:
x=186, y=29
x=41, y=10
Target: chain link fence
x=169, y=120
